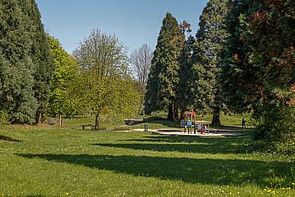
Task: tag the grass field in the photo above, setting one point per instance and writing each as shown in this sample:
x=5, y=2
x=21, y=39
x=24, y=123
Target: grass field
x=70, y=162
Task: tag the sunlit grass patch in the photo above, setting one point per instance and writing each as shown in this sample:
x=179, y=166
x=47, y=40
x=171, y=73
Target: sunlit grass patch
x=69, y=162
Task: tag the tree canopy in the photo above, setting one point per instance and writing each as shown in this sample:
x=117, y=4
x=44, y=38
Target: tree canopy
x=258, y=70
x=62, y=98
x=105, y=85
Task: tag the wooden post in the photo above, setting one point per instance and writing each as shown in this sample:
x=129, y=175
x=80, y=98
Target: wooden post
x=60, y=121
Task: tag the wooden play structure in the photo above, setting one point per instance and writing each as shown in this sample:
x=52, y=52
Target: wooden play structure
x=189, y=121
x=191, y=125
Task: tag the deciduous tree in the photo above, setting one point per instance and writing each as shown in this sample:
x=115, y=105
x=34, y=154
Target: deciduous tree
x=141, y=63
x=104, y=83
x=62, y=98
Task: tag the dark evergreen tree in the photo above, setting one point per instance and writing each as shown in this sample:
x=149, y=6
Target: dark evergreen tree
x=16, y=66
x=210, y=40
x=258, y=70
x=258, y=64
x=40, y=53
x=237, y=75
x=164, y=74
x=22, y=52
x=184, y=90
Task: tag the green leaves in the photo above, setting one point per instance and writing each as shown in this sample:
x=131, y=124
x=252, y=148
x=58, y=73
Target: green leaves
x=104, y=86
x=62, y=100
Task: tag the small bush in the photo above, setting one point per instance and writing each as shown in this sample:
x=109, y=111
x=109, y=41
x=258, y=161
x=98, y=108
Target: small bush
x=4, y=118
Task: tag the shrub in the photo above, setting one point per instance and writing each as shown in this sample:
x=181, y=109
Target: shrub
x=276, y=129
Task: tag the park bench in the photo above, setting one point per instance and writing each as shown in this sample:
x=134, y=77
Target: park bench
x=88, y=125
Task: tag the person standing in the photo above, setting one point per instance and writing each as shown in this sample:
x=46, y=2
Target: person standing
x=243, y=123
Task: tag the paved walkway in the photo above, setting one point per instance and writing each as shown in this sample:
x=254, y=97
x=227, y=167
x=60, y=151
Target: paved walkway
x=178, y=132
x=210, y=134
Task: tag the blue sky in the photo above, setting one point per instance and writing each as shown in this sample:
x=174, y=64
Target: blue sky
x=134, y=22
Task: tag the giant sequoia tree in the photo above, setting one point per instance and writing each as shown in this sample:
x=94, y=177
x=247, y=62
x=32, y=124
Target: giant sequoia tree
x=185, y=86
x=164, y=74
x=210, y=40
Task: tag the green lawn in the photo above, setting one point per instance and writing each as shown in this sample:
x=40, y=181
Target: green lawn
x=72, y=162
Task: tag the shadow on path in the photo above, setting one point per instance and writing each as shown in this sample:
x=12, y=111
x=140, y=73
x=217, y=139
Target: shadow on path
x=203, y=171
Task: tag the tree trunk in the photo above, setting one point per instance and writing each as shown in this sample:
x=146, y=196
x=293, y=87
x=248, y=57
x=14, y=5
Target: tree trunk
x=37, y=117
x=176, y=114
x=96, y=126
x=216, y=117
x=42, y=118
x=171, y=112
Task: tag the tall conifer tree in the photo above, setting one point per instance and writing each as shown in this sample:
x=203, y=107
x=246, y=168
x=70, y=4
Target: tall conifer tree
x=258, y=71
x=16, y=66
x=210, y=40
x=23, y=56
x=185, y=87
x=258, y=64
x=164, y=75
x=42, y=59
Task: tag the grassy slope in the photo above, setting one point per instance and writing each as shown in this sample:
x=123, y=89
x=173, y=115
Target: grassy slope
x=67, y=162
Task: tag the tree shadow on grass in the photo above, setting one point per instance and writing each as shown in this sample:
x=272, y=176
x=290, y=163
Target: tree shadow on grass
x=6, y=138
x=192, y=139
x=203, y=171
x=184, y=148
x=185, y=144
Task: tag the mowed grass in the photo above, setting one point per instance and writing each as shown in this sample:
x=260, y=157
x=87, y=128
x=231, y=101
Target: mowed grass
x=70, y=162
